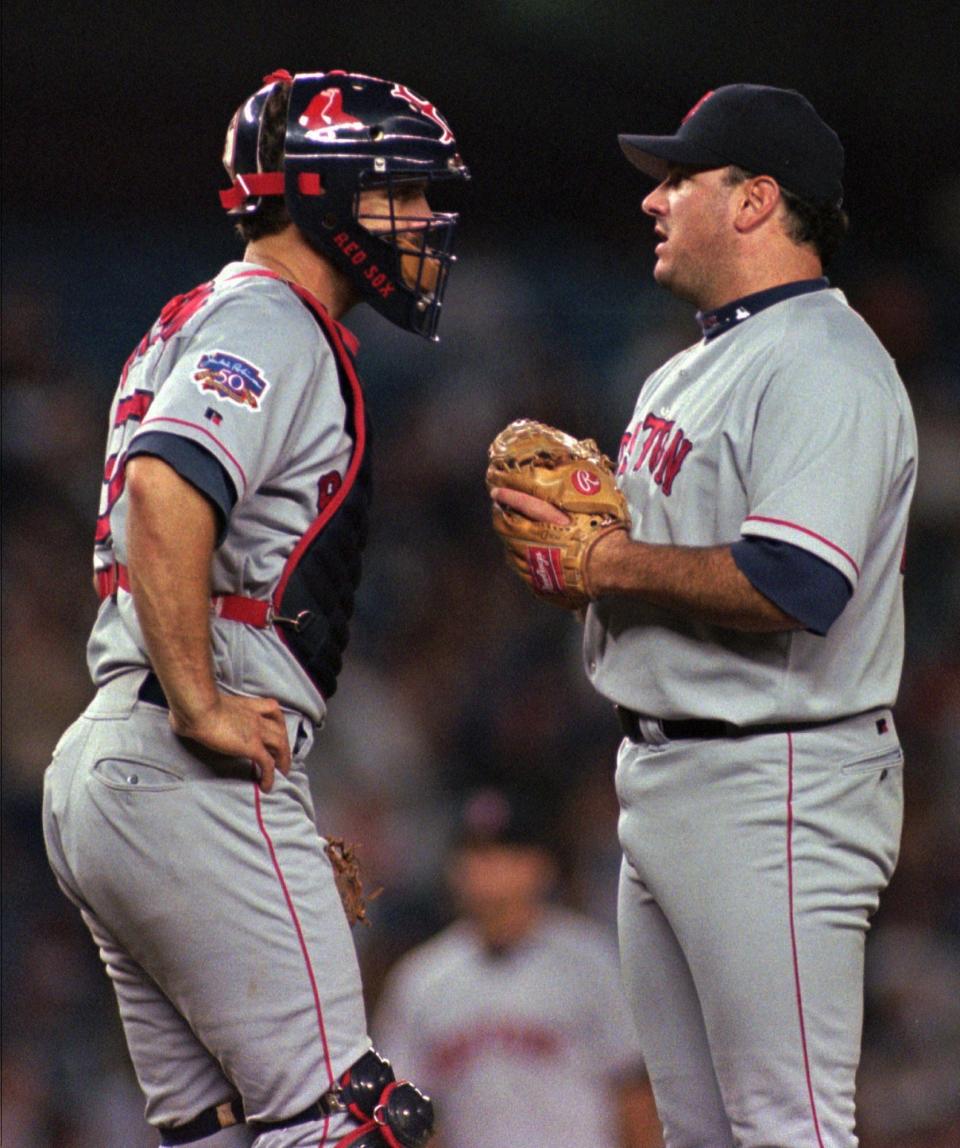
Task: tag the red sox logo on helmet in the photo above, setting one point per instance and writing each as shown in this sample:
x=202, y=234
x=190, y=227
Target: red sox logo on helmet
x=585, y=481
x=402, y=92
x=324, y=115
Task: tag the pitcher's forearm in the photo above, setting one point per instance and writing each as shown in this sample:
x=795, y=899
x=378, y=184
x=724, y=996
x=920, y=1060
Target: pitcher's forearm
x=704, y=581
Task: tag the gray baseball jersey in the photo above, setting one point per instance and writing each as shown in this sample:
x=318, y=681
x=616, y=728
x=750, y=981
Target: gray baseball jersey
x=505, y=1042
x=792, y=426
x=239, y=367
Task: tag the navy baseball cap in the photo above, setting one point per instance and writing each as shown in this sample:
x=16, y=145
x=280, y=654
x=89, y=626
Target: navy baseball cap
x=767, y=131
x=495, y=816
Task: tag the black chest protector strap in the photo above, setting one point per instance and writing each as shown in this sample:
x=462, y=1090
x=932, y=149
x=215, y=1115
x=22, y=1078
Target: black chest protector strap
x=313, y=602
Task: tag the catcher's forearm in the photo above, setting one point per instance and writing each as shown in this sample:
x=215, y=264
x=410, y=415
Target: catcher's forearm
x=170, y=539
x=704, y=581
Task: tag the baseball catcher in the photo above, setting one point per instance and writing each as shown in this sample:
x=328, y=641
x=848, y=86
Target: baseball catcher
x=234, y=512
x=549, y=545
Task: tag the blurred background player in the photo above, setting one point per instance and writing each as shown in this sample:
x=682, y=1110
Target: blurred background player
x=234, y=509
x=513, y=1016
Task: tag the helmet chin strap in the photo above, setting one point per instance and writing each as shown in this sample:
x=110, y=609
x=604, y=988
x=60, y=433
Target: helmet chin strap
x=250, y=184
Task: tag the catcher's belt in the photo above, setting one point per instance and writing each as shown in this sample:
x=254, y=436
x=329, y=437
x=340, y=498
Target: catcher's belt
x=232, y=607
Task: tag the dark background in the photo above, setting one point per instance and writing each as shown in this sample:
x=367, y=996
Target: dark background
x=113, y=122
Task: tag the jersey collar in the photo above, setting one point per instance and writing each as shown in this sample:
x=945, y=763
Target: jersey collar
x=349, y=338
x=713, y=323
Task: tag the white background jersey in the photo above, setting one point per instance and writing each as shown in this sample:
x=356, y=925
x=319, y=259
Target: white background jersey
x=519, y=1048
x=793, y=425
x=240, y=367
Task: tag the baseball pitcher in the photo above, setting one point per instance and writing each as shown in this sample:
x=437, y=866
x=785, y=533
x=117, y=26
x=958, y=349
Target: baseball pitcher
x=745, y=617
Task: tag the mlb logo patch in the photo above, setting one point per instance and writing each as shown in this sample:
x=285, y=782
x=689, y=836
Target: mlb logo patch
x=231, y=379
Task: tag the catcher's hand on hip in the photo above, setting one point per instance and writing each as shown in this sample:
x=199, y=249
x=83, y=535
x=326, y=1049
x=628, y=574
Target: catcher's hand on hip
x=554, y=498
x=241, y=727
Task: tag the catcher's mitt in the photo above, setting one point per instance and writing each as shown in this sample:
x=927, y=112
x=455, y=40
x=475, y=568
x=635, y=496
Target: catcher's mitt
x=346, y=872
x=574, y=476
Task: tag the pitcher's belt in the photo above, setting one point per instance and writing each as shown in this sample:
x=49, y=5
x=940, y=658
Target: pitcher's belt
x=232, y=607
x=677, y=729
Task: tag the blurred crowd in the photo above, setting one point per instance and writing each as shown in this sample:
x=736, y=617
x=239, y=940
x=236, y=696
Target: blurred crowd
x=455, y=677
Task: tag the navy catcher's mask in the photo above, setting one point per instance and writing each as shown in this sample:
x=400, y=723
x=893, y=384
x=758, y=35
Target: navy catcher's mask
x=346, y=132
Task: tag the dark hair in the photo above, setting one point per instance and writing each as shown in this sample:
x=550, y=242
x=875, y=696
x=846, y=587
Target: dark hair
x=272, y=217
x=822, y=225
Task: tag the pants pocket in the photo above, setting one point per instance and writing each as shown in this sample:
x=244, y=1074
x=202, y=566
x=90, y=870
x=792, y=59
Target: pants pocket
x=885, y=759
x=136, y=775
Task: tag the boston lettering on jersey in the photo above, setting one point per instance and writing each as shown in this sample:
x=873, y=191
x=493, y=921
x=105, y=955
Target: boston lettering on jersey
x=522, y=1039
x=662, y=447
x=328, y=486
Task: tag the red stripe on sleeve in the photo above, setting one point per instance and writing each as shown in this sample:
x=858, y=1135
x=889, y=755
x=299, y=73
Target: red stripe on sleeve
x=809, y=533
x=202, y=430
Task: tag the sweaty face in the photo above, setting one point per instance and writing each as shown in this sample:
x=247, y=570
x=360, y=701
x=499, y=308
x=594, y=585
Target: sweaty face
x=693, y=214
x=406, y=213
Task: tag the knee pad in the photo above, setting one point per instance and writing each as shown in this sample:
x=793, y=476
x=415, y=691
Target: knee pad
x=393, y=1113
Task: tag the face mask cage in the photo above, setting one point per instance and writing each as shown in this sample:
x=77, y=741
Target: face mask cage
x=421, y=244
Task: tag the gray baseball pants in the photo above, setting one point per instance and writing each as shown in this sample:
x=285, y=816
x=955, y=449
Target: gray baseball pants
x=751, y=869
x=216, y=914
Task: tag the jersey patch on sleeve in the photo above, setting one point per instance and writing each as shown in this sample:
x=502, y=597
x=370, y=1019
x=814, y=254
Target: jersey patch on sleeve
x=231, y=379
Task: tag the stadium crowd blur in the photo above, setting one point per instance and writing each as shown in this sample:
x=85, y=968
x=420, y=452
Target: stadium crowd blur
x=455, y=677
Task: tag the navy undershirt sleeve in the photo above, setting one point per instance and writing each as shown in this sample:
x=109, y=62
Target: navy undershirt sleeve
x=194, y=464
x=800, y=583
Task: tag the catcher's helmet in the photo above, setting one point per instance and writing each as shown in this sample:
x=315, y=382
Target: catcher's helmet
x=346, y=132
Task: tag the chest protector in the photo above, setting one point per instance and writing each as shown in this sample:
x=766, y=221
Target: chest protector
x=314, y=600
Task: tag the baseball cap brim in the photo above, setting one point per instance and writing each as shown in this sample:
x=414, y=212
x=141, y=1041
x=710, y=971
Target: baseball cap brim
x=653, y=155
